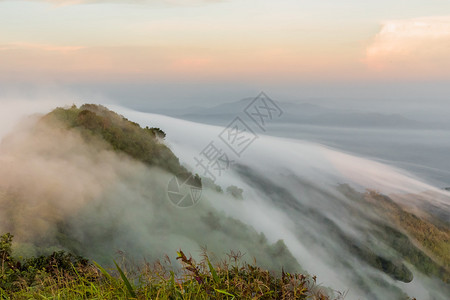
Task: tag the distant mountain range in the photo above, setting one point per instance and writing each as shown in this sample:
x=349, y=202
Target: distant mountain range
x=301, y=113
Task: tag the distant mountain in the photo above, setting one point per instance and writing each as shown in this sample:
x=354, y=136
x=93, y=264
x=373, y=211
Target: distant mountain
x=365, y=119
x=299, y=113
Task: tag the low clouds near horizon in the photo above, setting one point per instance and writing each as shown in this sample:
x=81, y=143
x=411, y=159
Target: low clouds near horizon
x=257, y=44
x=171, y=2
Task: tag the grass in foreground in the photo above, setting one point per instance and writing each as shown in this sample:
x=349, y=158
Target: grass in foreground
x=65, y=276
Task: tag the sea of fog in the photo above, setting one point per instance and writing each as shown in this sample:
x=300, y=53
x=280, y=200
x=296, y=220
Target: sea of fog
x=290, y=191
x=424, y=153
x=288, y=180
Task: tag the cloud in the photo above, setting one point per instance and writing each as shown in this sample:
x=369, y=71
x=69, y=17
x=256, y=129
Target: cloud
x=419, y=44
x=43, y=47
x=169, y=2
x=71, y=63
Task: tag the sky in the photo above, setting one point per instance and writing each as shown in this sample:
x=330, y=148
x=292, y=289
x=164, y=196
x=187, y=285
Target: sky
x=212, y=50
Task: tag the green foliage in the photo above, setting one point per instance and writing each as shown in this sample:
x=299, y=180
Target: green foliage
x=5, y=247
x=416, y=240
x=213, y=271
x=126, y=281
x=143, y=144
x=434, y=257
x=157, y=132
x=104, y=272
x=235, y=191
x=16, y=275
x=65, y=276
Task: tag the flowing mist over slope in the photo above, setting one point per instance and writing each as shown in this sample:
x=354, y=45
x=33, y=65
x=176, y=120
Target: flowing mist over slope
x=67, y=184
x=293, y=189
x=68, y=188
x=411, y=137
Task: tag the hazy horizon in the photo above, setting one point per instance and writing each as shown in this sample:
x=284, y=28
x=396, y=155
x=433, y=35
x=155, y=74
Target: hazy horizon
x=139, y=53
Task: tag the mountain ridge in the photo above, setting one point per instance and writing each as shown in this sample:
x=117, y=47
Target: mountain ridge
x=302, y=113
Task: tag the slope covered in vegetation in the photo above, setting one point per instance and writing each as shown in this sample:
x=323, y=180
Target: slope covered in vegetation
x=65, y=276
x=417, y=240
x=89, y=182
x=143, y=144
x=434, y=240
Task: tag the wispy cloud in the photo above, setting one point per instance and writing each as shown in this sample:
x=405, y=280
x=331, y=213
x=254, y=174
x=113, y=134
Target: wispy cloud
x=170, y=2
x=419, y=44
x=43, y=47
x=23, y=61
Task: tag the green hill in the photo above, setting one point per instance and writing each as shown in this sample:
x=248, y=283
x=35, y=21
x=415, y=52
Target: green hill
x=143, y=144
x=91, y=183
